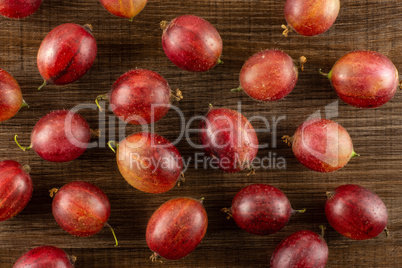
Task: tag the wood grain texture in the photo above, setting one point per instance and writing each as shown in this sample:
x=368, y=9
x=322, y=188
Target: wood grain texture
x=246, y=27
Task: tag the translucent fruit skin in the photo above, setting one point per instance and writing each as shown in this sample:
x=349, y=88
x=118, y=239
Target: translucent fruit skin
x=229, y=137
x=149, y=162
x=60, y=136
x=124, y=8
x=16, y=9
x=44, y=257
x=176, y=228
x=322, y=145
x=15, y=189
x=261, y=209
x=268, y=75
x=311, y=17
x=301, y=249
x=192, y=43
x=10, y=96
x=66, y=54
x=140, y=97
x=364, y=79
x=81, y=208
x=356, y=212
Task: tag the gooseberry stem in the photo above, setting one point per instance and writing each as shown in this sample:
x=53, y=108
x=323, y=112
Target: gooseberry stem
x=182, y=179
x=88, y=27
x=114, y=234
x=24, y=104
x=228, y=211
x=163, y=24
x=21, y=147
x=386, y=232
x=26, y=168
x=101, y=97
x=220, y=61
x=354, y=154
x=178, y=96
x=302, y=61
x=324, y=74
x=299, y=210
x=112, y=144
x=288, y=140
x=236, y=89
x=53, y=192
x=323, y=228
x=155, y=258
x=287, y=29
x=43, y=85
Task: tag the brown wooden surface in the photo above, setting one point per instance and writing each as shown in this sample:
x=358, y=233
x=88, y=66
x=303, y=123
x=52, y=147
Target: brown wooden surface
x=246, y=27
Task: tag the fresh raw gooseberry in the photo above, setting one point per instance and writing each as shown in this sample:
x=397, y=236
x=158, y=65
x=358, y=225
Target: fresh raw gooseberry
x=10, y=96
x=269, y=75
x=66, y=54
x=364, y=79
x=261, y=209
x=229, y=137
x=81, y=208
x=124, y=8
x=17, y=9
x=149, y=162
x=15, y=188
x=191, y=43
x=45, y=257
x=176, y=228
x=301, y=249
x=356, y=212
x=310, y=17
x=321, y=145
x=140, y=97
x=59, y=136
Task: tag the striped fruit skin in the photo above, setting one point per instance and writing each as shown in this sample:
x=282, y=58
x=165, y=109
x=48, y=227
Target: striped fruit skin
x=149, y=162
x=124, y=8
x=269, y=75
x=140, y=97
x=16, y=9
x=81, y=208
x=60, y=136
x=44, y=256
x=311, y=17
x=66, y=54
x=261, y=209
x=176, y=228
x=192, y=43
x=10, y=96
x=364, y=79
x=356, y=212
x=301, y=249
x=229, y=137
x=15, y=189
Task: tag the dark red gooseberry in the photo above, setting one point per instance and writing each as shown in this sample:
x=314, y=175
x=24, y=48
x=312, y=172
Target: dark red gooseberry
x=269, y=75
x=10, y=96
x=81, y=208
x=59, y=136
x=310, y=17
x=176, y=228
x=191, y=43
x=322, y=145
x=261, y=209
x=124, y=8
x=356, y=212
x=229, y=137
x=364, y=79
x=301, y=249
x=140, y=97
x=45, y=257
x=149, y=162
x=66, y=54
x=15, y=188
x=17, y=9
